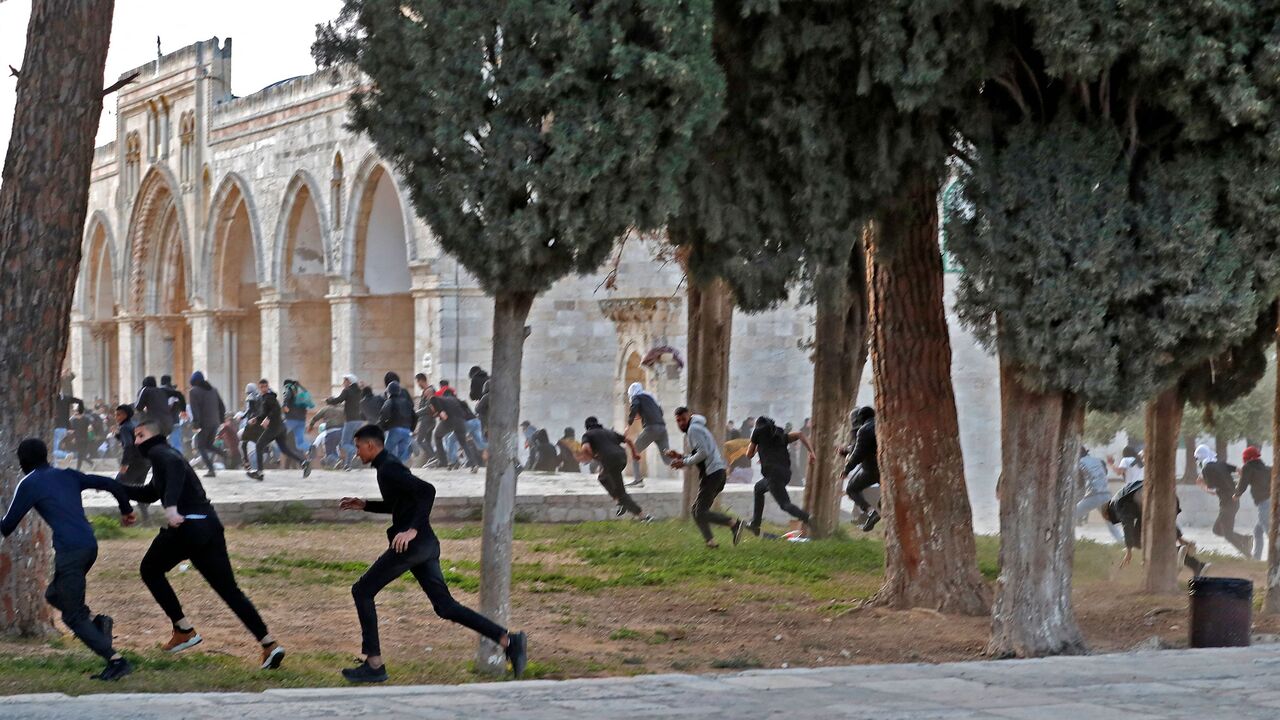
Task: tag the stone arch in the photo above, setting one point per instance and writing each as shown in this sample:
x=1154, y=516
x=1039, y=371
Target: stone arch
x=95, y=342
x=302, y=265
x=157, y=228
x=235, y=279
x=301, y=195
x=368, y=180
x=231, y=198
x=98, y=238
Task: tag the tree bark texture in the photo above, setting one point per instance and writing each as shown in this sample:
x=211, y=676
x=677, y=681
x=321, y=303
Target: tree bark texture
x=710, y=329
x=1220, y=447
x=509, y=314
x=1271, y=598
x=43, y=200
x=1039, y=452
x=1159, y=493
x=930, y=559
x=1188, y=459
x=839, y=354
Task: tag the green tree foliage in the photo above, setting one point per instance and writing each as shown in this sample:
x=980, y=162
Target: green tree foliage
x=531, y=134
x=1120, y=224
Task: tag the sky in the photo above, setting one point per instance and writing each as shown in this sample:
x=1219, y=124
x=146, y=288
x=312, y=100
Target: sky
x=272, y=41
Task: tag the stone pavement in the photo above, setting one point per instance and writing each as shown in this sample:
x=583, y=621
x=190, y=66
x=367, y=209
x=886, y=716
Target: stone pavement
x=1239, y=683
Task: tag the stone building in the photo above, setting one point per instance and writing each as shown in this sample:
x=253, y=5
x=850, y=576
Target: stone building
x=255, y=236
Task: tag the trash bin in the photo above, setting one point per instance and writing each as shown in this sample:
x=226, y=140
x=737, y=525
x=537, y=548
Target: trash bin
x=1221, y=611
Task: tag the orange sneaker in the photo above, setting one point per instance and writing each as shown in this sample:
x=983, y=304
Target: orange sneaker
x=182, y=640
x=272, y=656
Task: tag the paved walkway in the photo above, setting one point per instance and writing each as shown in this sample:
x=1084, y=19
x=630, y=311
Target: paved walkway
x=1242, y=684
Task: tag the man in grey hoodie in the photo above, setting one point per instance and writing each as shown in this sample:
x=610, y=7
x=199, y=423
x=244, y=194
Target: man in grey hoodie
x=704, y=452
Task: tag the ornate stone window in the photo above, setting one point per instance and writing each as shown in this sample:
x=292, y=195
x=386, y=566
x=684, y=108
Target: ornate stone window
x=132, y=164
x=187, y=152
x=335, y=190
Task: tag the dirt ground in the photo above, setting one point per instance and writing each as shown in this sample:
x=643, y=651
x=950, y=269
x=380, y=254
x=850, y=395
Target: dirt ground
x=299, y=577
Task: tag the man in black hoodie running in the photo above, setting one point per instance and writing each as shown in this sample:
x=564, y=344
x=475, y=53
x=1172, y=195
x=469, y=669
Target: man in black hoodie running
x=413, y=547
x=271, y=420
x=192, y=532
x=862, y=467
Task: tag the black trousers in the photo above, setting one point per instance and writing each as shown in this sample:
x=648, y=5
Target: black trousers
x=611, y=478
x=66, y=593
x=204, y=444
x=282, y=438
x=1224, y=525
x=422, y=559
x=709, y=487
x=775, y=482
x=859, y=481
x=205, y=545
x=459, y=430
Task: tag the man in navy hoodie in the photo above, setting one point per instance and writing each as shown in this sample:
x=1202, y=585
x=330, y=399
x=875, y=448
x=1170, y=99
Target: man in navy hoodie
x=55, y=495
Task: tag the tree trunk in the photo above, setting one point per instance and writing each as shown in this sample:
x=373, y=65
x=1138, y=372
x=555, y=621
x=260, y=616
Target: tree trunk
x=43, y=200
x=839, y=354
x=1159, y=493
x=1039, y=451
x=1188, y=460
x=929, y=548
x=710, y=329
x=509, y=314
x=1271, y=600
x=1220, y=444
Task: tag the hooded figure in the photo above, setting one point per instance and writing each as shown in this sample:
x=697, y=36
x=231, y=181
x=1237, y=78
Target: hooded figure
x=397, y=409
x=545, y=457
x=567, y=448
x=478, y=380
x=1218, y=478
x=207, y=408
x=153, y=404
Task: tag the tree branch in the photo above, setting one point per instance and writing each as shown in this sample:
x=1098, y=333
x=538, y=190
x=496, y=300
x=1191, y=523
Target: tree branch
x=14, y=71
x=1011, y=86
x=118, y=84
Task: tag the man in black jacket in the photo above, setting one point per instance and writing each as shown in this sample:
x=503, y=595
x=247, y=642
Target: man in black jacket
x=271, y=420
x=192, y=532
x=413, y=548
x=426, y=421
x=478, y=379
x=349, y=399
x=177, y=403
x=861, y=467
x=207, y=413
x=396, y=418
x=450, y=417
x=153, y=404
x=1255, y=477
x=653, y=427
x=1125, y=509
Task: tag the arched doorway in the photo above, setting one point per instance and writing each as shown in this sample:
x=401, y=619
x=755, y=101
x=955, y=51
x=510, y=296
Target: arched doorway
x=158, y=286
x=235, y=291
x=633, y=372
x=385, y=332
x=98, y=363
x=306, y=341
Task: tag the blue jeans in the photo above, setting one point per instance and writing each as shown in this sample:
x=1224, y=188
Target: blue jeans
x=399, y=443
x=477, y=434
x=175, y=438
x=299, y=430
x=58, y=435
x=348, y=442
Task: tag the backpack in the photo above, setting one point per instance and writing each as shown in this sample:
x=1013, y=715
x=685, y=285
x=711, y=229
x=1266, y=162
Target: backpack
x=302, y=398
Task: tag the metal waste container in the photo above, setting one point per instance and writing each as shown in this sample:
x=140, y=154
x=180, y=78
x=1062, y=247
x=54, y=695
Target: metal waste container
x=1221, y=611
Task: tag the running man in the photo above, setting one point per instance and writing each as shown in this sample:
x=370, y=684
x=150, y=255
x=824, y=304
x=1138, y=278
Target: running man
x=704, y=453
x=1125, y=509
x=775, y=469
x=653, y=427
x=1255, y=477
x=862, y=467
x=413, y=547
x=207, y=411
x=1218, y=478
x=192, y=532
x=271, y=420
x=349, y=399
x=55, y=496
x=605, y=446
x=1093, y=474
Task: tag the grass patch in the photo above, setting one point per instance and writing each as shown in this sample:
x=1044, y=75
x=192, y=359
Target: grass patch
x=106, y=527
x=291, y=513
x=737, y=662
x=625, y=634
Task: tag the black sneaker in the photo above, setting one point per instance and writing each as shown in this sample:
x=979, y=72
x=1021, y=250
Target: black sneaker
x=738, y=527
x=114, y=670
x=869, y=524
x=105, y=624
x=518, y=653
x=363, y=673
x=306, y=469
x=636, y=483
x=210, y=474
x=255, y=475
x=754, y=530
x=619, y=511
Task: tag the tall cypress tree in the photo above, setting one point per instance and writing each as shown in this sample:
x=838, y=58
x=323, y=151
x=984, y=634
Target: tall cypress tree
x=531, y=135
x=1117, y=227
